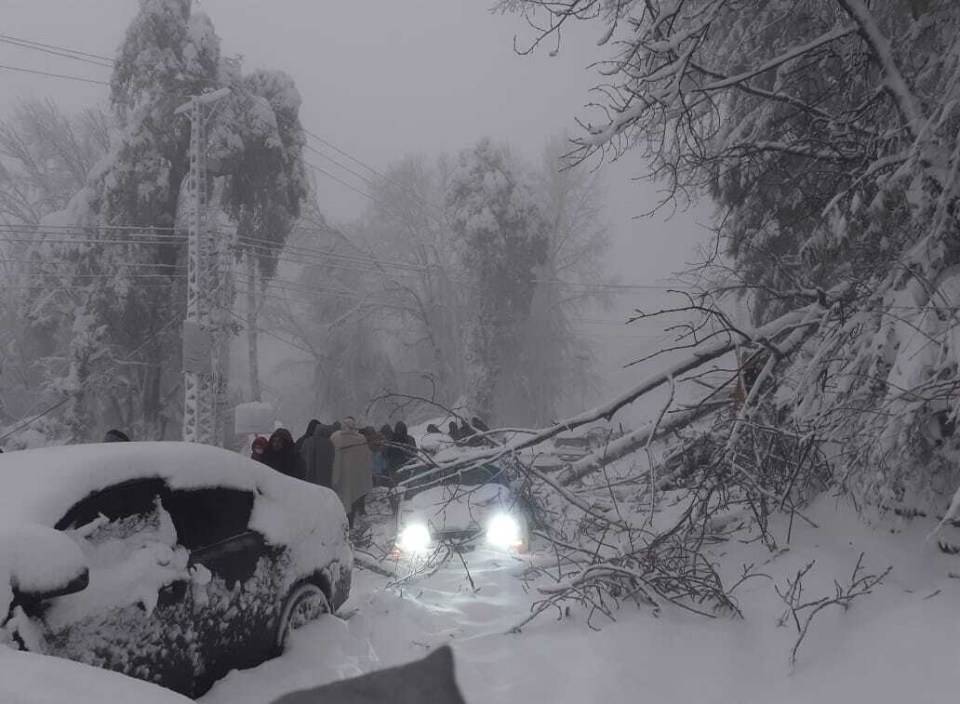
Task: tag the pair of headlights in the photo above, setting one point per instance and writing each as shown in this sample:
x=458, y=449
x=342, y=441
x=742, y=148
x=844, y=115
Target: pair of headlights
x=503, y=532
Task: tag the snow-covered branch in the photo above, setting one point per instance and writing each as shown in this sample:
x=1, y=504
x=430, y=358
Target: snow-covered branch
x=883, y=54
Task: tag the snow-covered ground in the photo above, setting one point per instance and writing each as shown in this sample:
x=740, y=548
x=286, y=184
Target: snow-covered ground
x=899, y=643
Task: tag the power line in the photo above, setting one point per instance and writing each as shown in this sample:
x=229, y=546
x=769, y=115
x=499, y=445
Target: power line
x=368, y=182
x=288, y=297
x=269, y=333
x=337, y=179
x=6, y=37
x=293, y=255
x=83, y=289
x=47, y=49
x=69, y=236
x=14, y=240
x=427, y=204
x=298, y=286
x=602, y=286
x=35, y=418
x=130, y=264
x=340, y=151
x=128, y=276
x=106, y=62
x=345, y=168
x=48, y=74
x=81, y=228
x=374, y=263
x=83, y=56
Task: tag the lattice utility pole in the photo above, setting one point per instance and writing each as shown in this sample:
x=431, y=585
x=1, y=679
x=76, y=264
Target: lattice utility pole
x=199, y=387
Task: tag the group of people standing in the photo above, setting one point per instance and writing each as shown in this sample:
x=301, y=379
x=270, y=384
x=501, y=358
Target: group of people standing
x=341, y=456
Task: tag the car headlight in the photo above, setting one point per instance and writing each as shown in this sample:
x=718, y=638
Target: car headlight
x=504, y=532
x=415, y=538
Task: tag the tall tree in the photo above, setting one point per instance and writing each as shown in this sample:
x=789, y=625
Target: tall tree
x=265, y=182
x=167, y=55
x=501, y=235
x=408, y=236
x=134, y=253
x=45, y=158
x=550, y=366
x=326, y=307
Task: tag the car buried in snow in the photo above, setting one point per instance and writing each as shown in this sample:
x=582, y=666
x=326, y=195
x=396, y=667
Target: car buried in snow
x=460, y=504
x=170, y=562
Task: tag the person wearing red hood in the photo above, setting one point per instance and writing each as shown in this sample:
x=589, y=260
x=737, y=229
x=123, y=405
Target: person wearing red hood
x=256, y=450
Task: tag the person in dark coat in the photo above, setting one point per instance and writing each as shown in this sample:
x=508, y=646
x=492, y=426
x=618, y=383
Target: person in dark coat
x=468, y=436
x=311, y=429
x=402, y=447
x=114, y=435
x=316, y=453
x=379, y=445
x=281, y=454
x=453, y=431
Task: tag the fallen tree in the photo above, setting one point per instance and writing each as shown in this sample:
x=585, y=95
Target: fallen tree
x=806, y=318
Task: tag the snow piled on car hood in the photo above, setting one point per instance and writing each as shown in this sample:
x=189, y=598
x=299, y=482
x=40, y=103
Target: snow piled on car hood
x=41, y=485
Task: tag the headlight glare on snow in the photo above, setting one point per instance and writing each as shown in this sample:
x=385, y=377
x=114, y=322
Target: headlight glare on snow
x=503, y=532
x=415, y=539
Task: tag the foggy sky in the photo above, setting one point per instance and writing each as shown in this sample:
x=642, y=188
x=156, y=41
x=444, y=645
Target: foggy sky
x=385, y=78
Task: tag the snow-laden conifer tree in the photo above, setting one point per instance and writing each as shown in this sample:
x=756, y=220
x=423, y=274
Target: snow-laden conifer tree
x=550, y=370
x=501, y=236
x=132, y=209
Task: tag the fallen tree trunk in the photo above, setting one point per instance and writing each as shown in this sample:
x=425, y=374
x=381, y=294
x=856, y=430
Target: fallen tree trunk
x=630, y=442
x=623, y=446
x=763, y=335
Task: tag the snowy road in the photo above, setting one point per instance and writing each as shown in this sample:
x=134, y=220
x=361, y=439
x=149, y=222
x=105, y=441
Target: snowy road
x=392, y=625
x=898, y=644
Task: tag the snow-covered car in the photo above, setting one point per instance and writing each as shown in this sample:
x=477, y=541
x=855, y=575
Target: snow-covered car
x=571, y=447
x=460, y=509
x=28, y=678
x=170, y=562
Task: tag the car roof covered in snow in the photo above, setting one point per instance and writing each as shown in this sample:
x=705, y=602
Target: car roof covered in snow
x=41, y=485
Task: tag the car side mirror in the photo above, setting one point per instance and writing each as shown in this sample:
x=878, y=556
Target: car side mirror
x=41, y=563
x=77, y=584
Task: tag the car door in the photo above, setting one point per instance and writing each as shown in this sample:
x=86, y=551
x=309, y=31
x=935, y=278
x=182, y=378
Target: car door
x=236, y=577
x=120, y=622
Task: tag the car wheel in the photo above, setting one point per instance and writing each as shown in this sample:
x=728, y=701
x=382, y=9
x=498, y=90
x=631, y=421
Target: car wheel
x=305, y=603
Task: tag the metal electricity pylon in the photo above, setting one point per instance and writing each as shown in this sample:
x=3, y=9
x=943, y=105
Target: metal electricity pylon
x=199, y=384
